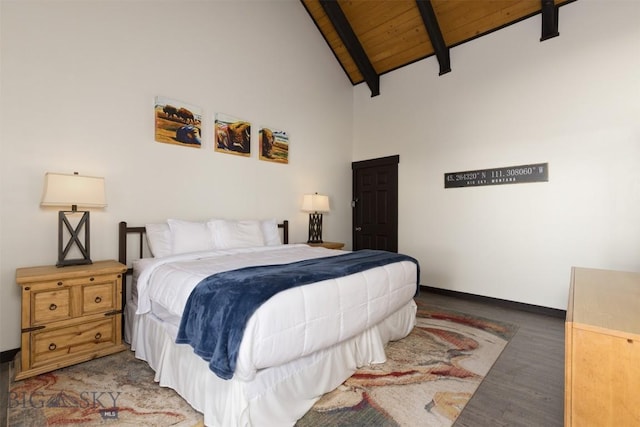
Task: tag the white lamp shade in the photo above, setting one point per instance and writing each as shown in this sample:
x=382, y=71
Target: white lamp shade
x=315, y=203
x=68, y=190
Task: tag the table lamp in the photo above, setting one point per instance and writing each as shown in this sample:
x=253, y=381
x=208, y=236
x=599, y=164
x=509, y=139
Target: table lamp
x=315, y=204
x=73, y=190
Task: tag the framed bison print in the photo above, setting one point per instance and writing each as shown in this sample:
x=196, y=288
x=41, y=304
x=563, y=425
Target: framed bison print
x=274, y=145
x=232, y=135
x=178, y=123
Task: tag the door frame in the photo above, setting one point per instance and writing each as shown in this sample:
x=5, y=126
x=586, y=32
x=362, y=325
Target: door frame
x=363, y=164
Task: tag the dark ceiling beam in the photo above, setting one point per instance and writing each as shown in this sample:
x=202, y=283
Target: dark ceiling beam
x=435, y=34
x=351, y=42
x=549, y=20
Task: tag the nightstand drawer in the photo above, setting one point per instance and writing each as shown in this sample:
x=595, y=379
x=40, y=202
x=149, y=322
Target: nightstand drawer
x=50, y=306
x=98, y=297
x=63, y=342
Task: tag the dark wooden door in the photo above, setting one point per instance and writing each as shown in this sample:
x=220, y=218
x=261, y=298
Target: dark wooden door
x=375, y=204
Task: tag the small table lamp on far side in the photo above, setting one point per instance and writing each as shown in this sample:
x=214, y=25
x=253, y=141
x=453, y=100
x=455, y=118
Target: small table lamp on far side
x=73, y=191
x=315, y=204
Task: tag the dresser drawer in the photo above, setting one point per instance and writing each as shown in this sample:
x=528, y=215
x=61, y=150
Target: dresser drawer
x=98, y=297
x=63, y=342
x=51, y=305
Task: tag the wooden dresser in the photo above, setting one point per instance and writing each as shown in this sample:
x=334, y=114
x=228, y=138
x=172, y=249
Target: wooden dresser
x=602, y=349
x=69, y=315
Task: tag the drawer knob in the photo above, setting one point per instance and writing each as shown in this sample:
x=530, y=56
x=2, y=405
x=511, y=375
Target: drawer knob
x=53, y=307
x=91, y=279
x=59, y=283
x=98, y=335
x=52, y=346
x=98, y=300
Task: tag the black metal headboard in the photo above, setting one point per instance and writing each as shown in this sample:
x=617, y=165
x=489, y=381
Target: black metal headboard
x=124, y=231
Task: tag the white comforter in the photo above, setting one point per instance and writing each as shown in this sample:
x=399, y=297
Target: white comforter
x=293, y=323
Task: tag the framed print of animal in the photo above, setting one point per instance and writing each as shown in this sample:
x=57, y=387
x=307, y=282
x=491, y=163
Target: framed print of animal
x=177, y=123
x=274, y=145
x=232, y=135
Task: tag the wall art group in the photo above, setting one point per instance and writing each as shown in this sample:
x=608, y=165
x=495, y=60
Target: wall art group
x=179, y=123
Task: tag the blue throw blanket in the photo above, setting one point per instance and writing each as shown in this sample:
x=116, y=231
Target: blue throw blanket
x=219, y=307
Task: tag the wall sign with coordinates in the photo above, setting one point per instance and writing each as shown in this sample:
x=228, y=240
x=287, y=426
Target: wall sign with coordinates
x=538, y=172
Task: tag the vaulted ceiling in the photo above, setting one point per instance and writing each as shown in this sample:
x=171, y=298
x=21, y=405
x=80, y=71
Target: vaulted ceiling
x=373, y=37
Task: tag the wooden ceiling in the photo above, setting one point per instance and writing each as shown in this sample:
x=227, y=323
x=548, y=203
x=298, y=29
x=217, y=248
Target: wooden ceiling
x=374, y=37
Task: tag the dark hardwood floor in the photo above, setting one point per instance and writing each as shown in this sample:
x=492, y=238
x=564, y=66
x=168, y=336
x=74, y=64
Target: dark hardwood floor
x=525, y=387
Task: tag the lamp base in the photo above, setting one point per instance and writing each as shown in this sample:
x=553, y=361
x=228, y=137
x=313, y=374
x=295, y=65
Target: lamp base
x=70, y=262
x=315, y=228
x=74, y=238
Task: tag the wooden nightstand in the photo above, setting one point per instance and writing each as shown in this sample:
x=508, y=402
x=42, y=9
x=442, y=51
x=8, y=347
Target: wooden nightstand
x=69, y=315
x=328, y=245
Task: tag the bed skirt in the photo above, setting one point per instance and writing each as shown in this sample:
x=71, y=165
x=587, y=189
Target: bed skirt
x=277, y=396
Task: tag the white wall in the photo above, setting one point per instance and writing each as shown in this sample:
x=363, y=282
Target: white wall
x=78, y=81
x=572, y=101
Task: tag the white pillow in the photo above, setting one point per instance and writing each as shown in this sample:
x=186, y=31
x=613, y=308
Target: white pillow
x=189, y=236
x=236, y=234
x=270, y=232
x=159, y=239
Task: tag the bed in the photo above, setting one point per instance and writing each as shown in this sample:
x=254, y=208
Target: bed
x=300, y=343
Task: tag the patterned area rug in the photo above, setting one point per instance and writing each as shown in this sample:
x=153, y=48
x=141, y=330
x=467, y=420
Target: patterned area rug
x=112, y=390
x=427, y=380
